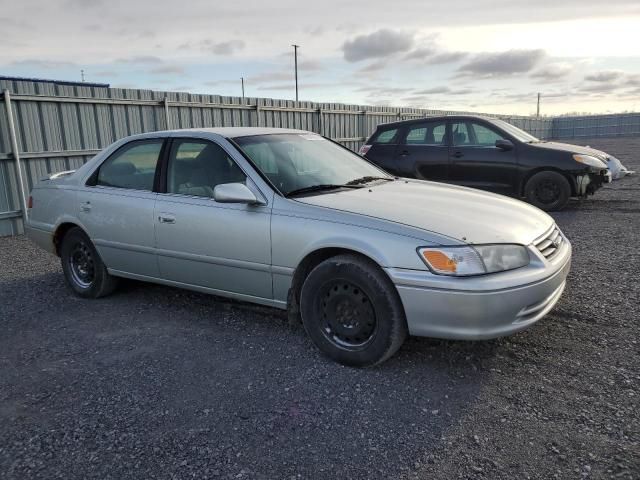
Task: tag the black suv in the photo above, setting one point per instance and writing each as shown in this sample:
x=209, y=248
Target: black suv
x=489, y=154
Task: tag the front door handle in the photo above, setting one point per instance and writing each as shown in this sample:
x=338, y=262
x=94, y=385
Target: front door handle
x=404, y=153
x=166, y=218
x=86, y=206
x=458, y=154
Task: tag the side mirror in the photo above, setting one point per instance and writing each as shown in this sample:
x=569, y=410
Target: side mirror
x=504, y=145
x=234, y=193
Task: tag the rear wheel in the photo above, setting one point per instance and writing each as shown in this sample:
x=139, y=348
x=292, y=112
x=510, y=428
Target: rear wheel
x=352, y=311
x=548, y=190
x=83, y=269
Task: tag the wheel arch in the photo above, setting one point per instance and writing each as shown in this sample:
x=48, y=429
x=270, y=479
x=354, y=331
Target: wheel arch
x=60, y=232
x=570, y=178
x=307, y=264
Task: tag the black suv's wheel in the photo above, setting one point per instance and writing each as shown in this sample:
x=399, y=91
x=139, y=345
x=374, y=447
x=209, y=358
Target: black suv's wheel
x=548, y=190
x=83, y=269
x=352, y=311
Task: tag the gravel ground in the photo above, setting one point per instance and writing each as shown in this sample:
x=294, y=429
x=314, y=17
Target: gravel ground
x=155, y=382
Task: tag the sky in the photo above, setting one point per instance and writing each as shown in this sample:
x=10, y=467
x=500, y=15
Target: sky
x=493, y=56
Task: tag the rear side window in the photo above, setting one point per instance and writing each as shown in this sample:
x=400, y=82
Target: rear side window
x=385, y=136
x=427, y=133
x=132, y=166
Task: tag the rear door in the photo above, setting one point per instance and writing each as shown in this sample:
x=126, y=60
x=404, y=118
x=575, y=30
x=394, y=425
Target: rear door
x=382, y=149
x=476, y=161
x=117, y=208
x=422, y=151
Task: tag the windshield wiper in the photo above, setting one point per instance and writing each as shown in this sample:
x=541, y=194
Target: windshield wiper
x=367, y=179
x=318, y=188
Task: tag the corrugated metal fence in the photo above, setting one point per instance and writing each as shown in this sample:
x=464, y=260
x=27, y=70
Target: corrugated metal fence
x=59, y=127
x=590, y=126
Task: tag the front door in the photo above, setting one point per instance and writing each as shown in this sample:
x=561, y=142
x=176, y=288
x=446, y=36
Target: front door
x=222, y=246
x=117, y=208
x=422, y=152
x=477, y=162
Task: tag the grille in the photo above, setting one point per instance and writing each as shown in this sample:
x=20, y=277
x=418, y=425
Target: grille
x=549, y=244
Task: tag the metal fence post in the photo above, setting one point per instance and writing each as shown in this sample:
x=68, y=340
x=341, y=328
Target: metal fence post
x=16, y=155
x=165, y=101
x=320, y=122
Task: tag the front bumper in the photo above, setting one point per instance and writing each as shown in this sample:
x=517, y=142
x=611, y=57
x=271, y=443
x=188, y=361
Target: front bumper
x=482, y=307
x=588, y=183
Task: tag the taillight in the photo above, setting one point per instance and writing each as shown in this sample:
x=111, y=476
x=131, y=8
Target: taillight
x=364, y=149
x=30, y=202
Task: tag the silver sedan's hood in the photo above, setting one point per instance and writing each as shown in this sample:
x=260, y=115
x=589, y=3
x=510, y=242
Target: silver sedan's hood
x=461, y=213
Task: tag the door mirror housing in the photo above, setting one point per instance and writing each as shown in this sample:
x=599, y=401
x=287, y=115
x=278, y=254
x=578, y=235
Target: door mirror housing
x=235, y=193
x=504, y=144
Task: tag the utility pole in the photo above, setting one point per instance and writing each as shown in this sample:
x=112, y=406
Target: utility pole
x=538, y=109
x=242, y=83
x=82, y=75
x=295, y=60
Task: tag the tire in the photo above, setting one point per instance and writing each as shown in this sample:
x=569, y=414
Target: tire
x=83, y=268
x=352, y=311
x=548, y=191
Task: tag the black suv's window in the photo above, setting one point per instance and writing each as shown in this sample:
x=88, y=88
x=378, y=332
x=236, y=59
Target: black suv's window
x=385, y=136
x=474, y=134
x=427, y=133
x=197, y=166
x=484, y=135
x=132, y=166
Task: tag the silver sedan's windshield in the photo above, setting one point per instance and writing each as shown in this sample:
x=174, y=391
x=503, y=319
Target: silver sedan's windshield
x=306, y=162
x=515, y=131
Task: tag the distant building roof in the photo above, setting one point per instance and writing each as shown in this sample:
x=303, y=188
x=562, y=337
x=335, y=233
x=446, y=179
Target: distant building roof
x=56, y=82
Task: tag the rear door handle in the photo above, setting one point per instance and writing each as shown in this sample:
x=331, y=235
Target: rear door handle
x=458, y=154
x=404, y=153
x=166, y=218
x=86, y=206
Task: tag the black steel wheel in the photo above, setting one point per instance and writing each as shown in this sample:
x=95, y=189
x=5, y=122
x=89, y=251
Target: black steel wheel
x=83, y=268
x=352, y=311
x=548, y=190
x=348, y=317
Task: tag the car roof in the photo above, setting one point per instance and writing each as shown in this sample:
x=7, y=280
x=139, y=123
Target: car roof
x=436, y=117
x=227, y=132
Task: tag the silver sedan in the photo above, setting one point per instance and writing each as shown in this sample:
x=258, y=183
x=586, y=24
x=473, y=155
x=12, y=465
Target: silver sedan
x=290, y=219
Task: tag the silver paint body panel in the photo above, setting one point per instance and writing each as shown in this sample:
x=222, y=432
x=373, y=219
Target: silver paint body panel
x=250, y=252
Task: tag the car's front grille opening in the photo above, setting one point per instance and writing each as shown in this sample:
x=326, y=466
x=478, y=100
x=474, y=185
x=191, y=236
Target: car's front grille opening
x=550, y=243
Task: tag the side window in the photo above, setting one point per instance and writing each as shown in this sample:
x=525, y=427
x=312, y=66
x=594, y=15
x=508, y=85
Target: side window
x=385, y=136
x=132, y=166
x=197, y=166
x=484, y=136
x=460, y=134
x=427, y=133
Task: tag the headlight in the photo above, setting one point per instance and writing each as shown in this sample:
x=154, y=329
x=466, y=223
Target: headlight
x=476, y=260
x=589, y=160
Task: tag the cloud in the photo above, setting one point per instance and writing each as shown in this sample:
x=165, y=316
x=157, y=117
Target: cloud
x=373, y=67
x=381, y=43
x=430, y=91
x=168, y=70
x=598, y=87
x=44, y=64
x=227, y=48
x=146, y=59
x=272, y=76
x=490, y=65
x=432, y=56
x=552, y=72
x=309, y=66
x=605, y=76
